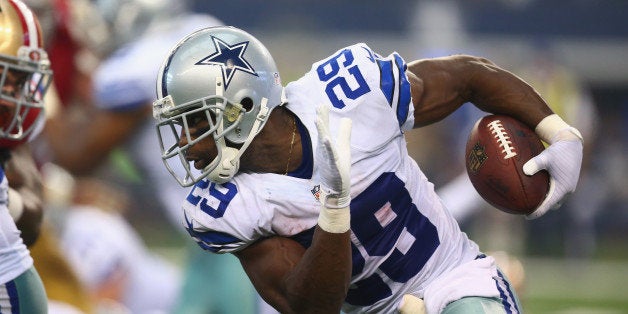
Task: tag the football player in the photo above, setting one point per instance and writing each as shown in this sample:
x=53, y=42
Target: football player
x=24, y=78
x=120, y=121
x=311, y=185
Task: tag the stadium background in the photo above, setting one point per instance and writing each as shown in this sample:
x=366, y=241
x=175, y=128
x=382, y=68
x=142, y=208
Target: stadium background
x=589, y=38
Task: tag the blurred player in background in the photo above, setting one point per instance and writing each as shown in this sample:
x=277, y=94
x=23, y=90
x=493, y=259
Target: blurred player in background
x=312, y=187
x=140, y=34
x=121, y=275
x=72, y=59
x=25, y=76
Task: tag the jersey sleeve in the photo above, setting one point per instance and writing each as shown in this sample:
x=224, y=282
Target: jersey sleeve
x=393, y=84
x=357, y=76
x=357, y=83
x=214, y=241
x=215, y=218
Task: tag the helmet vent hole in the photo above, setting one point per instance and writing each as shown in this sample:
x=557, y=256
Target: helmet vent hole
x=247, y=103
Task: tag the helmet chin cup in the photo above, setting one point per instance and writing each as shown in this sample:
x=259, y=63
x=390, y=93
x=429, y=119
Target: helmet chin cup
x=227, y=167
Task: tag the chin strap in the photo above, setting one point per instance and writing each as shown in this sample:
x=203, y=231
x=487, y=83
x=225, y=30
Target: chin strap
x=230, y=158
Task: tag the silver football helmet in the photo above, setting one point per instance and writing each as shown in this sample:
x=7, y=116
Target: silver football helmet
x=229, y=78
x=21, y=51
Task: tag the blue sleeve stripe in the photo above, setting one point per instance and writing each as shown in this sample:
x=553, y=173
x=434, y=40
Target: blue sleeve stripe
x=214, y=241
x=405, y=96
x=214, y=237
x=207, y=247
x=219, y=248
x=387, y=81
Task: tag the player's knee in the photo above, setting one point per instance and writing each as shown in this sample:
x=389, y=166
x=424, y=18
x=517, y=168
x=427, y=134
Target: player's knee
x=474, y=305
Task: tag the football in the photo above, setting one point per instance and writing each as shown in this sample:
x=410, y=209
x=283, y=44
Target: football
x=497, y=148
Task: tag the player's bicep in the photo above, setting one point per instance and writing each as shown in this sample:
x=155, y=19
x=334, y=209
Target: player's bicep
x=268, y=263
x=24, y=178
x=438, y=88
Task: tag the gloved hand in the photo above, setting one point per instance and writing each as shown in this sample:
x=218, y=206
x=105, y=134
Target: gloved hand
x=562, y=159
x=335, y=168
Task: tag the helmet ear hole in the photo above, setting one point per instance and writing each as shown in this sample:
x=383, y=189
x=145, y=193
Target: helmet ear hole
x=247, y=103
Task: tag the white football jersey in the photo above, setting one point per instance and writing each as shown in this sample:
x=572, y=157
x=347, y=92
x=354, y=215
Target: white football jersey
x=100, y=245
x=14, y=256
x=402, y=236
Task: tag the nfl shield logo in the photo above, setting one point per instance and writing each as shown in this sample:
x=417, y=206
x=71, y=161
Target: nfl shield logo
x=476, y=158
x=316, y=191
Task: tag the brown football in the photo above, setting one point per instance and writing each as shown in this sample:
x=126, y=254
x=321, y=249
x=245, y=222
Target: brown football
x=496, y=151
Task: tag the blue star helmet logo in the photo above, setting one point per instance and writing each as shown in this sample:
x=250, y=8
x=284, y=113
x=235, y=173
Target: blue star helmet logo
x=230, y=58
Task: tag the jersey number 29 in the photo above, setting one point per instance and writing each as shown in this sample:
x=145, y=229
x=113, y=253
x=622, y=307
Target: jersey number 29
x=353, y=88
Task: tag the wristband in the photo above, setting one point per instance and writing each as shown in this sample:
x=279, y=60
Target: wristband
x=16, y=204
x=334, y=220
x=550, y=127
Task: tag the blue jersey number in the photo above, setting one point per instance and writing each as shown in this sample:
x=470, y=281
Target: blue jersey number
x=328, y=72
x=384, y=219
x=223, y=198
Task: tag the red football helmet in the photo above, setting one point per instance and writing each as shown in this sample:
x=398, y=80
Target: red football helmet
x=21, y=56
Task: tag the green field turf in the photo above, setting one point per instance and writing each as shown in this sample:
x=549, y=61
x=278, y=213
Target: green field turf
x=558, y=286
x=553, y=285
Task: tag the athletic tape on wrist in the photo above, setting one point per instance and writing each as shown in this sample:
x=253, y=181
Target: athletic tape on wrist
x=332, y=199
x=334, y=220
x=550, y=126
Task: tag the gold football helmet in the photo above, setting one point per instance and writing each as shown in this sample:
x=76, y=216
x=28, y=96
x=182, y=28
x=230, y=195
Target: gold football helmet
x=25, y=73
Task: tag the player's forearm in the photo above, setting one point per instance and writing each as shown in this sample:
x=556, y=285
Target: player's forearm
x=81, y=147
x=320, y=281
x=29, y=222
x=78, y=152
x=25, y=180
x=77, y=160
x=442, y=85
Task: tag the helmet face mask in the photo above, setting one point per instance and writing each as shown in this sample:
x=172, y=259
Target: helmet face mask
x=25, y=73
x=27, y=100
x=222, y=75
x=195, y=121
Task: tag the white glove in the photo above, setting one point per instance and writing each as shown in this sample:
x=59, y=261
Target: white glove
x=335, y=168
x=562, y=159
